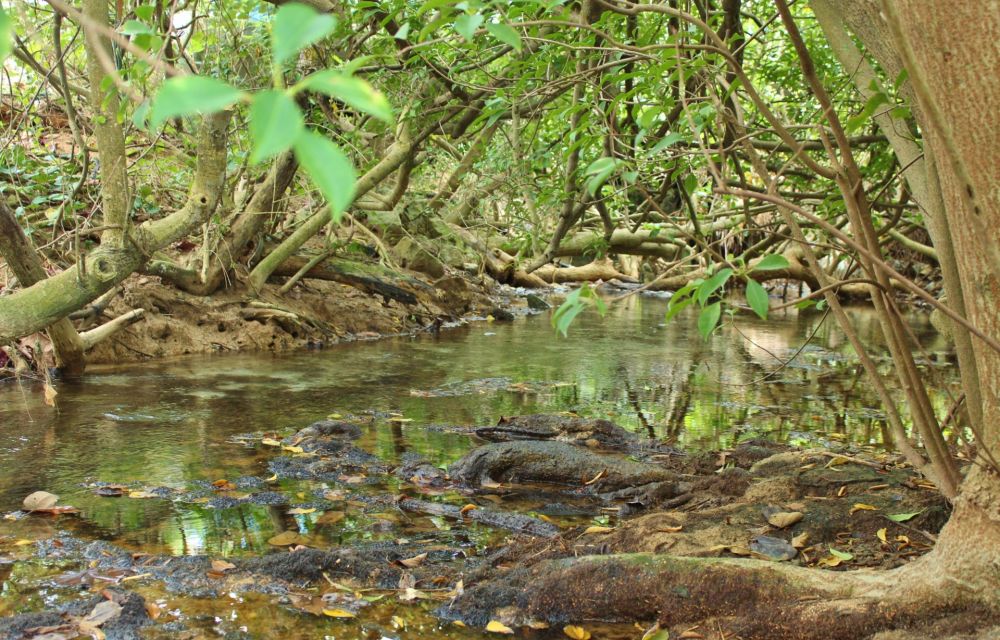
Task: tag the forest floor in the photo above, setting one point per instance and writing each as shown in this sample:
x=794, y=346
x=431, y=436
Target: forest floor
x=590, y=524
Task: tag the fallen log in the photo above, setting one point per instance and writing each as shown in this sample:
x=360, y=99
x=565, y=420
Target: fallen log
x=597, y=270
x=370, y=278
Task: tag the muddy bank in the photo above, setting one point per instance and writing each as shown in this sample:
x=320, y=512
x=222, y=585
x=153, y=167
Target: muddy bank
x=313, y=314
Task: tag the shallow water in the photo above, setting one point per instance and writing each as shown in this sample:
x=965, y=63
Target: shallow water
x=171, y=423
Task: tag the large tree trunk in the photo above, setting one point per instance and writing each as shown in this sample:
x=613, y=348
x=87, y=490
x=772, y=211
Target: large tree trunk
x=952, y=57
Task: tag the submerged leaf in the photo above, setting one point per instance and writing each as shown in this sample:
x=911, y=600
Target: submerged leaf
x=339, y=613
x=576, y=633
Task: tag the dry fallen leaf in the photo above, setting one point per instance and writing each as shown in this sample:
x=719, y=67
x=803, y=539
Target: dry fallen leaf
x=881, y=534
x=339, y=613
x=300, y=511
x=676, y=529
x=270, y=442
x=576, y=633
x=415, y=561
x=784, y=519
x=596, y=529
x=221, y=566
x=600, y=475
x=538, y=625
x=498, y=627
x=467, y=508
x=861, y=506
x=801, y=541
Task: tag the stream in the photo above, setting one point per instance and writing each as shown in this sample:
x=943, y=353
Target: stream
x=176, y=424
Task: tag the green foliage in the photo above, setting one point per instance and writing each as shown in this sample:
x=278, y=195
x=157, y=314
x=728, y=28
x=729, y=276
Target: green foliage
x=467, y=24
x=329, y=168
x=6, y=34
x=190, y=95
x=757, y=298
x=275, y=124
x=352, y=91
x=576, y=302
x=295, y=27
x=505, y=34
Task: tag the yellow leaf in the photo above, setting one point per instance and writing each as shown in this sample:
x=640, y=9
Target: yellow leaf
x=577, y=633
x=829, y=561
x=335, y=416
x=273, y=478
x=498, y=627
x=538, y=625
x=339, y=613
x=400, y=419
x=596, y=529
x=881, y=534
x=22, y=542
x=270, y=442
x=293, y=449
x=801, y=541
x=903, y=539
x=861, y=506
x=458, y=623
x=398, y=622
x=784, y=519
x=300, y=511
x=467, y=508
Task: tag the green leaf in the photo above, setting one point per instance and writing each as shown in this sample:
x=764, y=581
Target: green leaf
x=295, y=27
x=6, y=34
x=467, y=24
x=903, y=517
x=145, y=12
x=708, y=319
x=352, y=91
x=566, y=318
x=668, y=140
x=188, y=95
x=505, y=34
x=677, y=307
x=600, y=170
x=757, y=298
x=772, y=262
x=713, y=284
x=843, y=555
x=275, y=124
x=329, y=169
x=136, y=28
x=141, y=115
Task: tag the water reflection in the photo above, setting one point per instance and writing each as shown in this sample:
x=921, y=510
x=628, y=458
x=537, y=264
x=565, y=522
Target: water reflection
x=169, y=424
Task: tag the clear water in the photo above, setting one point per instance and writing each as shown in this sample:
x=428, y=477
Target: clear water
x=171, y=423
